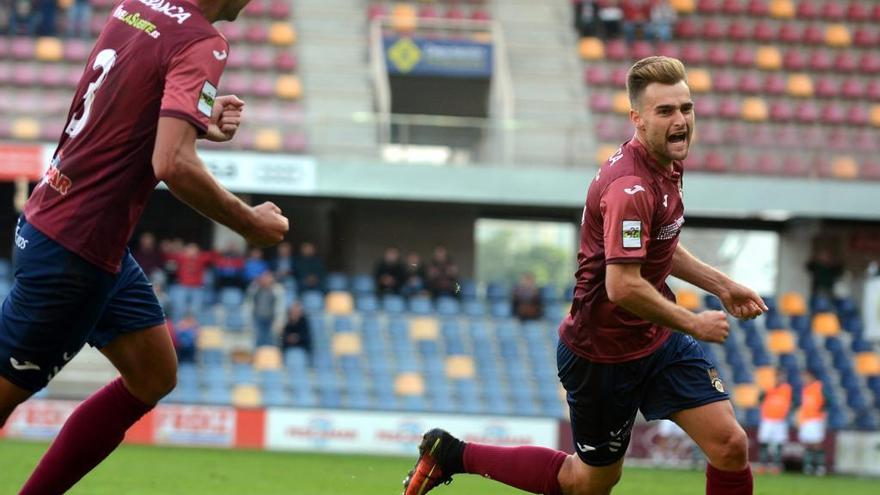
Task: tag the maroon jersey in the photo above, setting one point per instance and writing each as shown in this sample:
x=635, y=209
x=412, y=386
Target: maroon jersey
x=153, y=58
x=634, y=213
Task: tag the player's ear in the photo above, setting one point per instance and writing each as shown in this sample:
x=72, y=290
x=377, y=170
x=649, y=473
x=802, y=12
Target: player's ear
x=636, y=119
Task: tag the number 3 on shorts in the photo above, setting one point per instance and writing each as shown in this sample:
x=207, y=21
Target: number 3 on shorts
x=104, y=61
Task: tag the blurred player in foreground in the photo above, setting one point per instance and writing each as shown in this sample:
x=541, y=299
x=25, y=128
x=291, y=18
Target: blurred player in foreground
x=148, y=92
x=626, y=345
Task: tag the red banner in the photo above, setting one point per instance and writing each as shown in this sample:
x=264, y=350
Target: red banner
x=21, y=160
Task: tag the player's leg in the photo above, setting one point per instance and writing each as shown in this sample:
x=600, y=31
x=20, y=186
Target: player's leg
x=148, y=365
x=11, y=396
x=688, y=390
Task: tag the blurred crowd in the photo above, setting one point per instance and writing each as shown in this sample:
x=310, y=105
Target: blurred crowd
x=633, y=19
x=71, y=18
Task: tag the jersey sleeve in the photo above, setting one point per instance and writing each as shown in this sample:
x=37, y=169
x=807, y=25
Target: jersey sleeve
x=627, y=207
x=191, y=82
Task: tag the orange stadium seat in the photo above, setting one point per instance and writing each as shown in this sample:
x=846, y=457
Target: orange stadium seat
x=424, y=328
x=765, y=377
x=409, y=383
x=780, y=342
x=844, y=167
x=267, y=139
x=281, y=34
x=868, y=363
x=699, y=80
x=336, y=302
x=768, y=58
x=210, y=337
x=246, y=396
x=404, y=17
x=746, y=395
x=754, y=109
x=683, y=6
x=793, y=304
x=25, y=128
x=267, y=357
x=800, y=85
x=346, y=344
x=604, y=152
x=826, y=324
x=460, y=367
x=688, y=299
x=620, y=103
x=837, y=35
x=49, y=49
x=782, y=9
x=875, y=115
x=288, y=87
x=591, y=49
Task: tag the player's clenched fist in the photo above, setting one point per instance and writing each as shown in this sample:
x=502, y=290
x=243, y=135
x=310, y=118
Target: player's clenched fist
x=268, y=227
x=711, y=326
x=225, y=118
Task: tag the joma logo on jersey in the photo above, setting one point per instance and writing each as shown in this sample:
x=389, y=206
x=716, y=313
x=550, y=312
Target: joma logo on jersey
x=58, y=181
x=167, y=8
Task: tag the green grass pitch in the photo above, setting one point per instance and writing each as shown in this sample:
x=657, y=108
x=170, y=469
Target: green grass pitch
x=137, y=470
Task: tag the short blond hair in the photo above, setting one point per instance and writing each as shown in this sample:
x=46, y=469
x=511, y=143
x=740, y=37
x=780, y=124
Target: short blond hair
x=663, y=70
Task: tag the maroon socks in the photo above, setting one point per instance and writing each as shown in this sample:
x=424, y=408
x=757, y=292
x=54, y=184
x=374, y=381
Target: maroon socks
x=91, y=433
x=720, y=482
x=533, y=469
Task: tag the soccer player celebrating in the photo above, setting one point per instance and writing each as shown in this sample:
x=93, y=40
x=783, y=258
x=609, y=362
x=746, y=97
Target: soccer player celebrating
x=626, y=345
x=148, y=91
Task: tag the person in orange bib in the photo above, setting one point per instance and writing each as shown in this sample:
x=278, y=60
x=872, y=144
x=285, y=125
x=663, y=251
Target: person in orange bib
x=811, y=424
x=773, y=430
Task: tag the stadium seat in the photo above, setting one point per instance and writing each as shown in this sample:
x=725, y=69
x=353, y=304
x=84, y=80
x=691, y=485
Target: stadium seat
x=25, y=128
x=781, y=342
x=867, y=363
x=826, y=324
x=792, y=304
x=620, y=103
x=421, y=305
x=688, y=299
x=754, y=109
x=837, y=35
x=281, y=34
x=699, y=80
x=346, y=344
x=267, y=139
x=409, y=384
x=844, y=167
x=683, y=6
x=746, y=395
x=424, y=328
x=267, y=358
x=460, y=367
x=288, y=87
x=48, y=49
x=339, y=303
x=591, y=49
x=404, y=17
x=800, y=85
x=768, y=58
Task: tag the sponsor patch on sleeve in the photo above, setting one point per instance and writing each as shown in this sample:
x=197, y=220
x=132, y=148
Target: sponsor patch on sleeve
x=632, y=234
x=206, y=98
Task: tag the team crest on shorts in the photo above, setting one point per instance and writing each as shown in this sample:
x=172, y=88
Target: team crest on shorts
x=716, y=380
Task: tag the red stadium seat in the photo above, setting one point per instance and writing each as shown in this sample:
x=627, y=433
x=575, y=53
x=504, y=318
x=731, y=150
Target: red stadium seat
x=767, y=164
x=429, y=11
x=832, y=114
x=256, y=8
x=238, y=58
x=261, y=59
x=738, y=30
x=669, y=50
x=76, y=50
x=706, y=107
x=814, y=35
x=871, y=170
x=285, y=61
x=780, y=111
x=839, y=139
x=806, y=112
x=718, y=55
x=821, y=61
x=455, y=13
x=713, y=30
x=376, y=10
x=795, y=166
x=22, y=48
x=715, y=162
x=864, y=37
x=708, y=6
x=858, y=11
x=742, y=164
x=686, y=29
x=865, y=139
x=724, y=81
x=787, y=136
x=833, y=10
x=807, y=9
x=711, y=133
x=481, y=15
x=51, y=129
x=744, y=56
x=733, y=7
x=233, y=31
x=729, y=108
x=852, y=88
x=279, y=10
x=857, y=115
x=263, y=87
x=763, y=32
x=872, y=90
x=52, y=76
x=790, y=33
x=236, y=83
x=846, y=61
x=870, y=62
x=4, y=48
x=597, y=75
x=600, y=102
x=758, y=8
x=641, y=49
x=607, y=129
x=616, y=50
x=72, y=76
x=794, y=59
x=875, y=13
x=256, y=33
x=750, y=83
x=775, y=84
x=294, y=142
x=26, y=74
x=696, y=161
x=618, y=76
x=826, y=87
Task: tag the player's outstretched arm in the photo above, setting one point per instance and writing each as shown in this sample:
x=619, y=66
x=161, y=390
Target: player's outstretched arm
x=225, y=118
x=739, y=300
x=176, y=163
x=627, y=288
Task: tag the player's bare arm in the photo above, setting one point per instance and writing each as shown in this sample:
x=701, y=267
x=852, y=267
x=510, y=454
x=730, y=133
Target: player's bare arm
x=225, y=118
x=176, y=163
x=628, y=289
x=738, y=300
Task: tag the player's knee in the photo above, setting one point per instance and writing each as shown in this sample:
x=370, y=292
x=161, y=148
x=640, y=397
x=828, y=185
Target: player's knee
x=575, y=478
x=732, y=451
x=150, y=389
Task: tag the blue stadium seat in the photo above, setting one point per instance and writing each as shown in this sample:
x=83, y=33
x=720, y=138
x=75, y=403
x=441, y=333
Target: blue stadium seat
x=303, y=398
x=231, y=297
x=217, y=395
x=393, y=304
x=337, y=282
x=312, y=301
x=846, y=307
x=359, y=399
x=820, y=304
x=211, y=357
x=362, y=284
x=235, y=321
x=343, y=324
x=412, y=403
x=275, y=397
x=867, y=420
x=366, y=303
x=752, y=417
x=421, y=305
x=468, y=290
x=501, y=309
x=773, y=321
x=800, y=324
x=770, y=302
x=861, y=345
x=474, y=307
x=496, y=291
x=550, y=293
x=448, y=306
x=243, y=374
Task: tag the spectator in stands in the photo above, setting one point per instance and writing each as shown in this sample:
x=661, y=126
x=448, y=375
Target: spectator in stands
x=586, y=17
x=526, y=299
x=636, y=14
x=390, y=274
x=811, y=424
x=229, y=266
x=283, y=262
x=442, y=273
x=170, y=250
x=773, y=429
x=22, y=18
x=414, y=274
x=254, y=266
x=265, y=301
x=825, y=270
x=192, y=263
x=611, y=18
x=147, y=255
x=47, y=20
x=663, y=18
x=297, y=332
x=79, y=18
x=184, y=334
x=309, y=268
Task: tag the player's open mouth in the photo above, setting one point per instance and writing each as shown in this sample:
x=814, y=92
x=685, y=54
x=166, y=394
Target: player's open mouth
x=678, y=137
